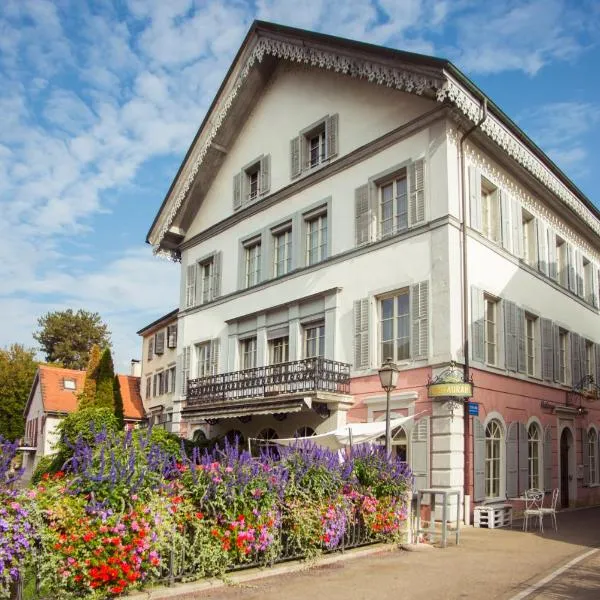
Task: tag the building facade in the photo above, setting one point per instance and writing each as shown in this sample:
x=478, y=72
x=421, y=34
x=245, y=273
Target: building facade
x=158, y=369
x=329, y=215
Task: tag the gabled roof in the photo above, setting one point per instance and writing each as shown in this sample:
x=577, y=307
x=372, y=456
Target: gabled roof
x=160, y=322
x=436, y=78
x=58, y=399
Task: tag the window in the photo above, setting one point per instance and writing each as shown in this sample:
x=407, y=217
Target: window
x=171, y=372
x=203, y=360
x=151, y=348
x=206, y=280
x=316, y=239
x=395, y=327
x=252, y=270
x=493, y=459
x=316, y=145
x=393, y=206
x=315, y=142
x=282, y=252
x=590, y=362
x=562, y=264
x=69, y=384
x=172, y=336
x=314, y=340
x=491, y=330
x=530, y=326
x=563, y=349
x=279, y=350
x=490, y=212
x=148, y=387
x=529, y=239
x=592, y=447
x=587, y=283
x=248, y=348
x=534, y=440
x=252, y=182
x=303, y=432
x=185, y=369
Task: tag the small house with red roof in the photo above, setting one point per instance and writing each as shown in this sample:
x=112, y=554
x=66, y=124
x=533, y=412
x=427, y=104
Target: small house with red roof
x=54, y=394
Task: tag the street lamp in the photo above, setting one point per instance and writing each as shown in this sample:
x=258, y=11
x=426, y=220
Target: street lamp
x=388, y=376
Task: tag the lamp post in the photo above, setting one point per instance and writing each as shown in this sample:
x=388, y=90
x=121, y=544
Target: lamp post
x=388, y=376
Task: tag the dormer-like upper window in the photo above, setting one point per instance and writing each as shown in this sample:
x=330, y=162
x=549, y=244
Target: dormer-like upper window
x=69, y=384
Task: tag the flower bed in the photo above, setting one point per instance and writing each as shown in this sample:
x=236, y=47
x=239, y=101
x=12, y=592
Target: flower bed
x=125, y=513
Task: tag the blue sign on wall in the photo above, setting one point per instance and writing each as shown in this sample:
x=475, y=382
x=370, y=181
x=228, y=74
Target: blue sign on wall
x=474, y=409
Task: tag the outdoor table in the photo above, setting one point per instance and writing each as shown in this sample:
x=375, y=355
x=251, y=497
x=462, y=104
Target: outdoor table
x=446, y=494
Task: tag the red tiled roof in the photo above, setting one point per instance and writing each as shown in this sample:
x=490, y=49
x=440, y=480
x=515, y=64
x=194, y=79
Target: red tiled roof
x=58, y=399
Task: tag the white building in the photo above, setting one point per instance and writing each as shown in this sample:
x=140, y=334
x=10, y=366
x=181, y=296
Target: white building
x=319, y=218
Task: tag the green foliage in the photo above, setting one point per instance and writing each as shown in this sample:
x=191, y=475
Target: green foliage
x=17, y=370
x=51, y=463
x=166, y=441
x=105, y=396
x=118, y=402
x=67, y=336
x=88, y=396
x=85, y=424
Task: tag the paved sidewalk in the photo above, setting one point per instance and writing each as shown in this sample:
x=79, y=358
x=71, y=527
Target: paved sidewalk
x=488, y=564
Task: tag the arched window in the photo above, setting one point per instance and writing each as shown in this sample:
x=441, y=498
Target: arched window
x=199, y=436
x=233, y=436
x=592, y=452
x=534, y=439
x=493, y=459
x=303, y=432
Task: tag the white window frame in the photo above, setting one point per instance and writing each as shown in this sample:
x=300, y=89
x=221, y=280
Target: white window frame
x=206, y=269
x=316, y=254
x=148, y=391
x=563, y=354
x=252, y=262
x=279, y=346
x=531, y=357
x=534, y=455
x=494, y=456
x=490, y=212
x=314, y=331
x=404, y=293
x=248, y=353
x=316, y=134
x=491, y=326
x=529, y=241
x=398, y=218
x=203, y=359
x=562, y=262
x=282, y=252
x=592, y=450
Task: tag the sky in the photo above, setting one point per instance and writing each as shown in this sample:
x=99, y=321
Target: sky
x=99, y=101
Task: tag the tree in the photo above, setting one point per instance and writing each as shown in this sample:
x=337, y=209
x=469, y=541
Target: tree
x=88, y=395
x=105, y=395
x=67, y=337
x=17, y=370
x=118, y=402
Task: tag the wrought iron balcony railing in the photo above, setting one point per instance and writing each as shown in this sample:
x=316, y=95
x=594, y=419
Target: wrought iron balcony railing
x=307, y=375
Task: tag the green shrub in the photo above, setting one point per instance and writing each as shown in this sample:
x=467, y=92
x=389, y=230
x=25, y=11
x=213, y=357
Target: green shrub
x=47, y=464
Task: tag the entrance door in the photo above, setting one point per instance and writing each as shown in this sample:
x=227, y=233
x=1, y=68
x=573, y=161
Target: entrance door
x=564, y=467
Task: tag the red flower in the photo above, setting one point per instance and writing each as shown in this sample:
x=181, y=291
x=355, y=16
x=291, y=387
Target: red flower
x=199, y=515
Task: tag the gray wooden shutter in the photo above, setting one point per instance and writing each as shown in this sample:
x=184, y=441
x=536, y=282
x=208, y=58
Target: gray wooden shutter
x=522, y=350
x=556, y=335
x=159, y=343
x=237, y=191
x=331, y=135
x=511, y=335
x=517, y=226
x=523, y=459
x=505, y=217
x=190, y=286
x=547, y=349
x=477, y=325
x=416, y=193
x=575, y=359
x=217, y=267
x=361, y=334
x=419, y=453
x=420, y=320
x=542, y=241
x=185, y=369
x=512, y=460
x=571, y=269
x=475, y=197
x=552, y=269
x=215, y=348
x=362, y=214
x=265, y=174
x=597, y=374
x=151, y=348
x=295, y=169
x=594, y=285
x=579, y=273
x=478, y=460
x=585, y=456
x=172, y=336
x=548, y=466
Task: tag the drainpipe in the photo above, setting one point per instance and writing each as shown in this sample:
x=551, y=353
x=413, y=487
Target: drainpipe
x=465, y=293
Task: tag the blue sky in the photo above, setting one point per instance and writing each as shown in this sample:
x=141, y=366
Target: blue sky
x=100, y=100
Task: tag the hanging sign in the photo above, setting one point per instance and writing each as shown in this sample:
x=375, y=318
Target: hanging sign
x=457, y=389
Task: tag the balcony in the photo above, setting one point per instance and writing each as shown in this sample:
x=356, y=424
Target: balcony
x=285, y=387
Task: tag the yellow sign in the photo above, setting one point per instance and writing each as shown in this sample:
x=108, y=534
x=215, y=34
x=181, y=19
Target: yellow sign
x=460, y=390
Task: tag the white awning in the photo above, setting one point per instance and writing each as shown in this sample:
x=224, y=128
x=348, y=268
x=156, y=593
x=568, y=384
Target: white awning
x=352, y=433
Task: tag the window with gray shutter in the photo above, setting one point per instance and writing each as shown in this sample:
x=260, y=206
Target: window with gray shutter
x=159, y=342
x=215, y=347
x=477, y=325
x=416, y=193
x=265, y=174
x=362, y=213
x=295, y=164
x=522, y=347
x=185, y=369
x=505, y=217
x=579, y=273
x=575, y=359
x=511, y=335
x=512, y=460
x=547, y=349
x=331, y=134
x=237, y=191
x=151, y=348
x=552, y=267
x=419, y=453
x=190, y=286
x=585, y=455
x=216, y=284
x=475, y=197
x=478, y=460
x=517, y=228
x=172, y=336
x=572, y=278
x=557, y=369
x=523, y=459
x=420, y=320
x=542, y=239
x=361, y=334
x=548, y=462
x=594, y=286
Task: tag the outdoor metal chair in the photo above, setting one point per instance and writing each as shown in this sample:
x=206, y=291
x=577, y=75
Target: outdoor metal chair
x=534, y=499
x=551, y=510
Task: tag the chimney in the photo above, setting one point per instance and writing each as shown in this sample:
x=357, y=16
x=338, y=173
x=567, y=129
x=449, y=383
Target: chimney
x=136, y=367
